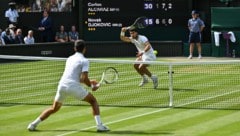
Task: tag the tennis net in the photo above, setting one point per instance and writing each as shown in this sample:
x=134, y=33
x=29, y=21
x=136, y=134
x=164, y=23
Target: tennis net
x=188, y=84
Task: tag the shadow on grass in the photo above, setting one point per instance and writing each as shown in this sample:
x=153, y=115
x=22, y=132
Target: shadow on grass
x=176, y=89
x=184, y=90
x=7, y=105
x=131, y=132
x=123, y=132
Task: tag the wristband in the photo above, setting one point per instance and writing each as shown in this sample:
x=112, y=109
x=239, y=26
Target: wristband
x=122, y=33
x=142, y=51
x=92, y=85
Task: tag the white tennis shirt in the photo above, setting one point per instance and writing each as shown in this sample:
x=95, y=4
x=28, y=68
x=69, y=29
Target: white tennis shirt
x=75, y=65
x=140, y=44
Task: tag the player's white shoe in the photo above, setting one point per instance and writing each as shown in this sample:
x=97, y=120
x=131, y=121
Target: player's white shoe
x=143, y=82
x=190, y=57
x=31, y=127
x=200, y=57
x=102, y=128
x=155, y=81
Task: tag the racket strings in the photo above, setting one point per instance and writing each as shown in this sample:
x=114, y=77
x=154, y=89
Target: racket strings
x=140, y=22
x=110, y=76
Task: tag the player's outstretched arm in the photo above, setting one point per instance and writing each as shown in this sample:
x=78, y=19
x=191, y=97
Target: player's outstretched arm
x=122, y=35
x=90, y=83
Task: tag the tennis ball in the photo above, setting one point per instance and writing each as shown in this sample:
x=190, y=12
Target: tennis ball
x=155, y=52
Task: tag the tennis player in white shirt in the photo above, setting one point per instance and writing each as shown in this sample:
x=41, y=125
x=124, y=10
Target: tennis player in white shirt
x=76, y=71
x=145, y=53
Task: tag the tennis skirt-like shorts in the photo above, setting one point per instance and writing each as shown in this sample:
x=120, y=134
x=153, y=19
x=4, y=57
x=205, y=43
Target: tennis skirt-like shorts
x=70, y=89
x=148, y=57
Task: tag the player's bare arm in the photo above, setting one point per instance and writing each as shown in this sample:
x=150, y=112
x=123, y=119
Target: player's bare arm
x=122, y=35
x=201, y=29
x=84, y=79
x=147, y=47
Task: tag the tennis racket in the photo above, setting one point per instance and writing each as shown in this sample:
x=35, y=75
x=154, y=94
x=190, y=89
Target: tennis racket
x=109, y=76
x=139, y=23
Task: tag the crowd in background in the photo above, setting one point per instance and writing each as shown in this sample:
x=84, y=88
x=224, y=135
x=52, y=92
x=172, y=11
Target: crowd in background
x=13, y=34
x=50, y=5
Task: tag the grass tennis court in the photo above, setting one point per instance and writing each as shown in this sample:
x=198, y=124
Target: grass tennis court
x=206, y=100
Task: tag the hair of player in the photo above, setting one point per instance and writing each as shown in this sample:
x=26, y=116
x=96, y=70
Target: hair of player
x=79, y=45
x=133, y=30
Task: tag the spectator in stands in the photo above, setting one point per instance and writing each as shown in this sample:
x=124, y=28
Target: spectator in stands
x=62, y=35
x=12, y=14
x=29, y=39
x=64, y=5
x=45, y=27
x=73, y=35
x=12, y=30
x=0, y=37
x=53, y=6
x=7, y=37
x=19, y=37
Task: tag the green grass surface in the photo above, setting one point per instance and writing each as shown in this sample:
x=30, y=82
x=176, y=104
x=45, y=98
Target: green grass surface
x=206, y=101
x=77, y=121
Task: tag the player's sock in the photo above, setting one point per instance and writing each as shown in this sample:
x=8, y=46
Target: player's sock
x=36, y=121
x=98, y=119
x=155, y=81
x=190, y=56
x=144, y=80
x=199, y=56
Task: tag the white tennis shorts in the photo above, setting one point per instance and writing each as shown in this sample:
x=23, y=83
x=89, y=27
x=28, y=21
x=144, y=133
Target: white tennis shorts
x=70, y=89
x=148, y=57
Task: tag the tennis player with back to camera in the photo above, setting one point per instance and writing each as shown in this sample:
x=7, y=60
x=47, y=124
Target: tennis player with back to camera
x=76, y=72
x=145, y=53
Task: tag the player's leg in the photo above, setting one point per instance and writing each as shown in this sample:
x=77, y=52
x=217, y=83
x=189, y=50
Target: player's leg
x=82, y=94
x=198, y=42
x=96, y=112
x=55, y=107
x=191, y=45
x=136, y=67
x=191, y=48
x=144, y=69
x=94, y=104
x=140, y=72
x=44, y=115
x=199, y=50
x=59, y=98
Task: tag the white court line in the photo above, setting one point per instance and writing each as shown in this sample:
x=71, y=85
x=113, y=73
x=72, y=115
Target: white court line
x=152, y=112
x=115, y=121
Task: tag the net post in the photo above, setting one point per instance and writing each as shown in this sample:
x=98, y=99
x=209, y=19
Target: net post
x=170, y=76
